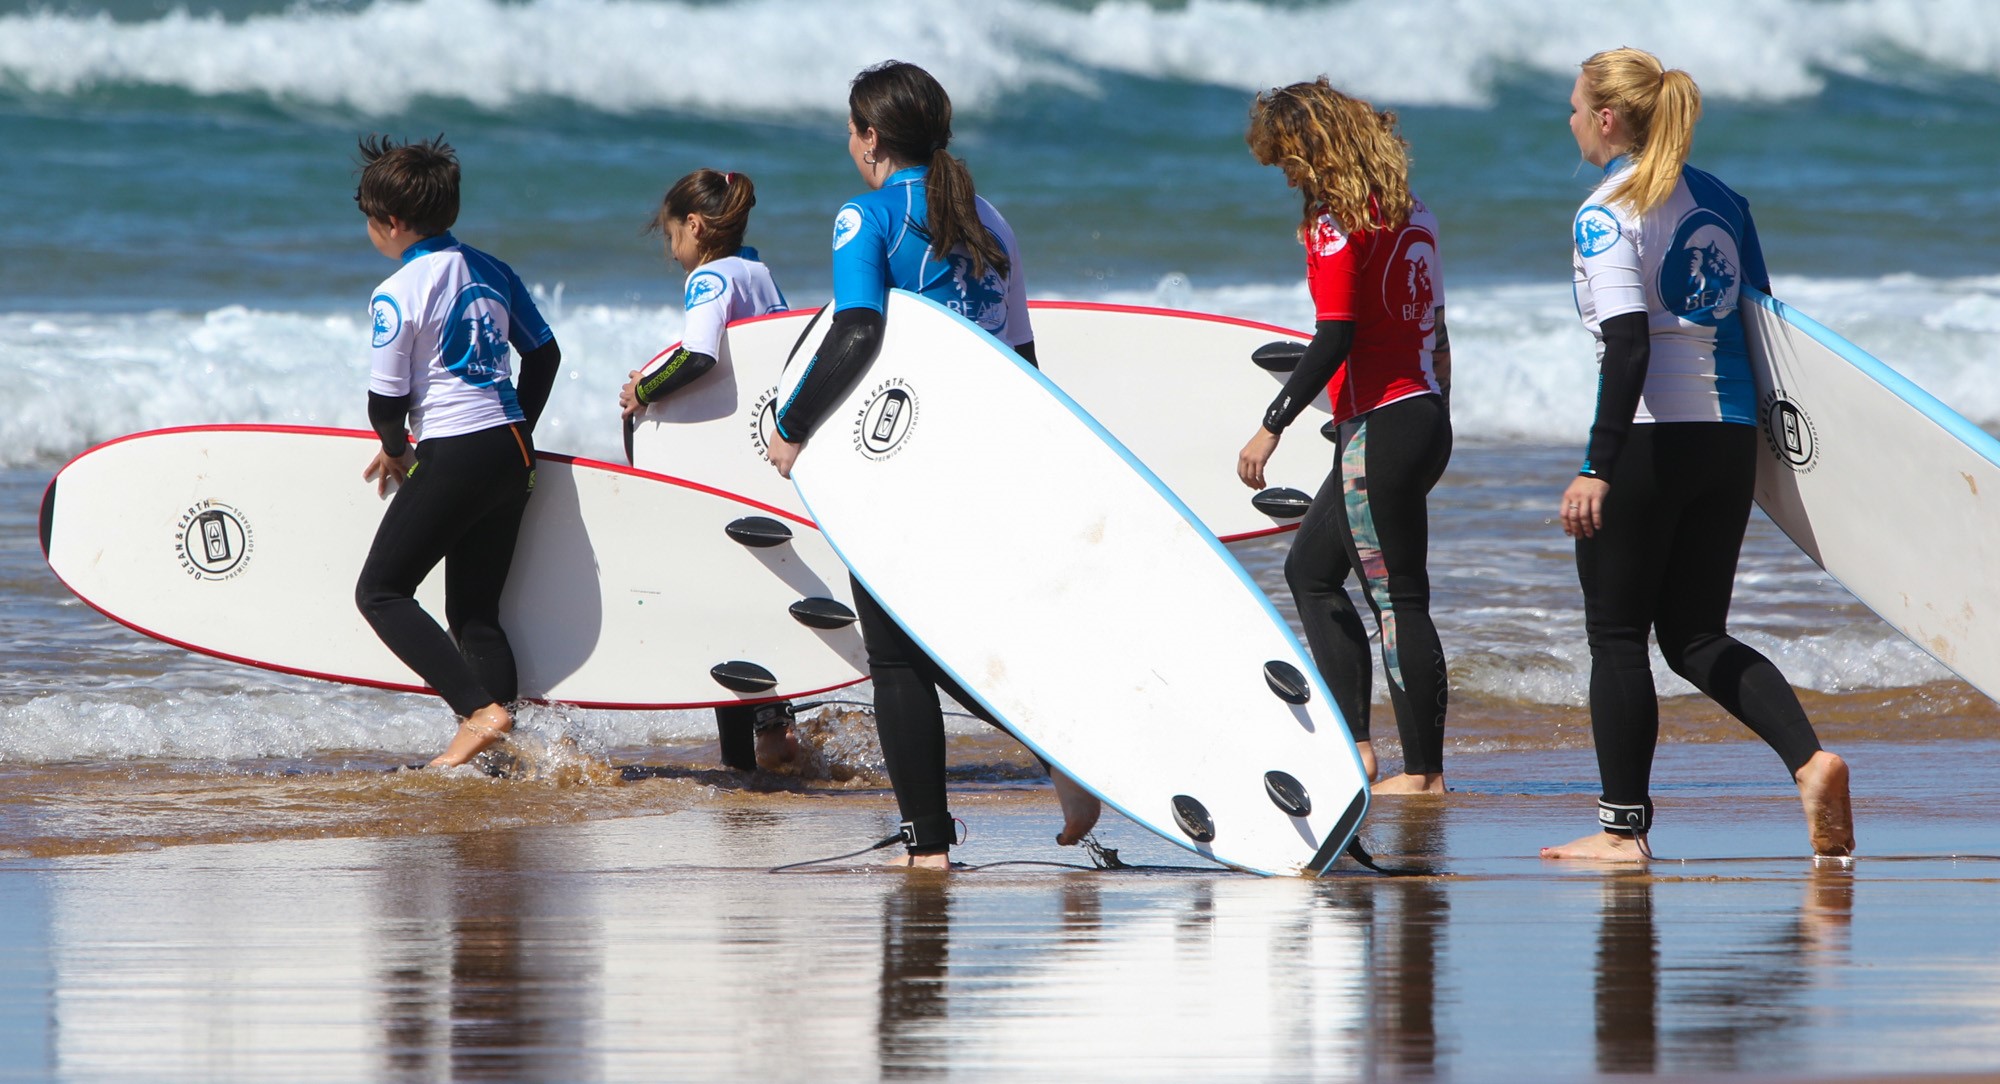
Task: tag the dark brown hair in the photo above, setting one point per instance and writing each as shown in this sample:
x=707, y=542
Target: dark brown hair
x=723, y=200
x=416, y=182
x=911, y=115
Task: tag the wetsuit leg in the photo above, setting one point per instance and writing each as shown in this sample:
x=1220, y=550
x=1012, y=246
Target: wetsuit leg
x=1316, y=569
x=1621, y=571
x=1720, y=459
x=909, y=723
x=475, y=575
x=1390, y=460
x=460, y=483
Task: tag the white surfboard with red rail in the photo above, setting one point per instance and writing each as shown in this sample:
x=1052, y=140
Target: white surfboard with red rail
x=628, y=589
x=1182, y=390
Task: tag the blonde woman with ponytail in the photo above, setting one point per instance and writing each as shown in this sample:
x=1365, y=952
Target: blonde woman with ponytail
x=1661, y=253
x=703, y=217
x=921, y=227
x=1380, y=351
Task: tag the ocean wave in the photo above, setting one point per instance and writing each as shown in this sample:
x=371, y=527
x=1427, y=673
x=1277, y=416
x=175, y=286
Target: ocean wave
x=1523, y=364
x=787, y=56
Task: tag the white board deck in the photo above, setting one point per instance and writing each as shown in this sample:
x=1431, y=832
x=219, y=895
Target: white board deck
x=244, y=542
x=1064, y=587
x=1177, y=388
x=1894, y=494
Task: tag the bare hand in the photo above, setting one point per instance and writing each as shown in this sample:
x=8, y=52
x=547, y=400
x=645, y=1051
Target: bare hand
x=1582, y=511
x=385, y=468
x=628, y=396
x=783, y=454
x=1250, y=462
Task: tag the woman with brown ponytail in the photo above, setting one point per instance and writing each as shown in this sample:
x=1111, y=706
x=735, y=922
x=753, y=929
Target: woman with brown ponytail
x=1658, y=508
x=921, y=227
x=1380, y=350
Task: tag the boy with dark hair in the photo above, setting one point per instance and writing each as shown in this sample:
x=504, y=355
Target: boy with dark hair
x=440, y=364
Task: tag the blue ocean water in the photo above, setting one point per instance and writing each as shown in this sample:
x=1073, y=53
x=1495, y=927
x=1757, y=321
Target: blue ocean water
x=178, y=242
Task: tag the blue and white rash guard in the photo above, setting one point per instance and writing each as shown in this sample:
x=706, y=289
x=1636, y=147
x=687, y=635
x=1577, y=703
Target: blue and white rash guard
x=442, y=327
x=723, y=291
x=880, y=241
x=1684, y=265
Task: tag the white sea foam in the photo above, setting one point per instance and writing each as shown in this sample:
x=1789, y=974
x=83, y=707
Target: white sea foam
x=780, y=57
x=1524, y=366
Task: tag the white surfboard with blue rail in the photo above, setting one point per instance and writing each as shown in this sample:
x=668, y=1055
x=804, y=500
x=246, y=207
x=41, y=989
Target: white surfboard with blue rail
x=1069, y=591
x=1893, y=493
x=628, y=589
x=1182, y=390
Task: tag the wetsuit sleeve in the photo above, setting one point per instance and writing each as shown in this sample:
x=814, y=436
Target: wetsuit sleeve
x=708, y=303
x=1331, y=341
x=526, y=329
x=1333, y=272
x=683, y=368
x=860, y=262
x=1610, y=262
x=1752, y=253
x=389, y=415
x=1628, y=349
x=843, y=355
x=538, y=379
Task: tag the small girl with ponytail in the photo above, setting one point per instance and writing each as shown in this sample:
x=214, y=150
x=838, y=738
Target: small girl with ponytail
x=703, y=218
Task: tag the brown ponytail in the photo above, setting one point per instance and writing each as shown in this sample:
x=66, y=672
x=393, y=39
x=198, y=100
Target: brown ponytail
x=911, y=116
x=723, y=200
x=1658, y=107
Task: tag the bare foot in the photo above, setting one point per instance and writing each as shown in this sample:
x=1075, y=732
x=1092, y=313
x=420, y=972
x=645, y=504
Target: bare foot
x=1080, y=808
x=777, y=747
x=1368, y=765
x=1599, y=847
x=1406, y=783
x=1829, y=817
x=920, y=861
x=476, y=733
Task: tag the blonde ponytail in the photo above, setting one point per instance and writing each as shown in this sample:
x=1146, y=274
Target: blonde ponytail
x=1658, y=107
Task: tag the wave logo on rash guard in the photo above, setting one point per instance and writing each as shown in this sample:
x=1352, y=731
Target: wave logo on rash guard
x=704, y=288
x=1596, y=230
x=845, y=225
x=388, y=320
x=1409, y=288
x=475, y=341
x=981, y=299
x=1699, y=272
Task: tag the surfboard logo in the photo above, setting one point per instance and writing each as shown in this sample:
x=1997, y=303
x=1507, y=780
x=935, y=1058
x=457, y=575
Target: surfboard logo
x=885, y=422
x=764, y=421
x=1788, y=429
x=214, y=541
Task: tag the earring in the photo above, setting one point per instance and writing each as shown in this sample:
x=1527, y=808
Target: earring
x=868, y=157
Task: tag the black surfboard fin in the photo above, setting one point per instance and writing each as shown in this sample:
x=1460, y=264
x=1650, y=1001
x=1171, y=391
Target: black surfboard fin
x=758, y=532
x=1282, y=502
x=1193, y=819
x=1278, y=357
x=1286, y=680
x=1288, y=794
x=1331, y=432
x=822, y=613
x=743, y=677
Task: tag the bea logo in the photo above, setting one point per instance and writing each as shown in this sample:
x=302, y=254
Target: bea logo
x=1409, y=288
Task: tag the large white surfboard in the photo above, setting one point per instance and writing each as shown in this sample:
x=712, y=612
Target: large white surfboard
x=1063, y=586
x=1894, y=494
x=627, y=589
x=1180, y=389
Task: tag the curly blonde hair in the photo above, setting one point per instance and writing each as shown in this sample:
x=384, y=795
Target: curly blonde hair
x=1339, y=152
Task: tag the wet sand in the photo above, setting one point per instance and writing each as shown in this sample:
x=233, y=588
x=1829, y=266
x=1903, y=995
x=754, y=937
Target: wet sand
x=657, y=944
